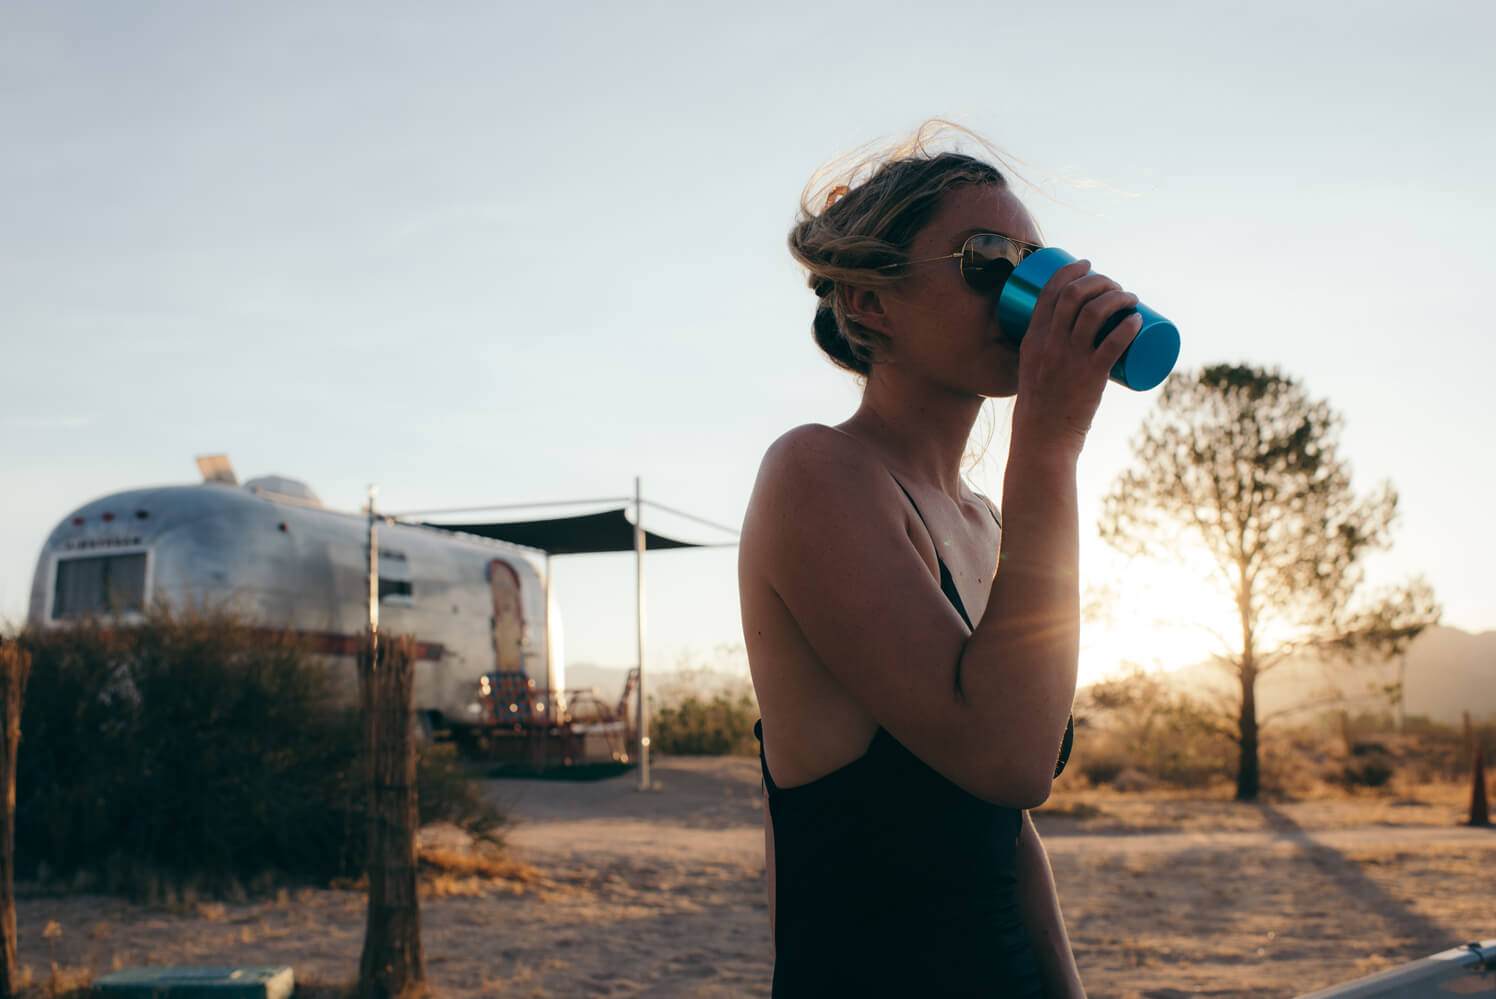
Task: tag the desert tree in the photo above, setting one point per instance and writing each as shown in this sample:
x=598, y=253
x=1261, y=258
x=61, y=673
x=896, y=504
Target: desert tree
x=1240, y=463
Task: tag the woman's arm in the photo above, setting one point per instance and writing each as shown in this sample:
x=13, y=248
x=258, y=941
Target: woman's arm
x=1040, y=907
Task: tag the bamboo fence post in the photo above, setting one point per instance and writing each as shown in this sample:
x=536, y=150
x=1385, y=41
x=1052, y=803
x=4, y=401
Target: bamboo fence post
x=391, y=965
x=15, y=669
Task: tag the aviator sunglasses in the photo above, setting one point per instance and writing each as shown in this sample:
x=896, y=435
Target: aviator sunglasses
x=987, y=258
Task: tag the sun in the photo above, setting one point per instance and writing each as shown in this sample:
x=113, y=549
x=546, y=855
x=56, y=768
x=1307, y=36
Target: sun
x=1157, y=614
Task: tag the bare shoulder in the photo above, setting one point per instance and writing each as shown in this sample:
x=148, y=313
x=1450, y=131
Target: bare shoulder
x=812, y=477
x=815, y=448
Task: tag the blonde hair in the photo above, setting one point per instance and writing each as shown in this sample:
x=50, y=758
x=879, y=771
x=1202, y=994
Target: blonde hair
x=858, y=215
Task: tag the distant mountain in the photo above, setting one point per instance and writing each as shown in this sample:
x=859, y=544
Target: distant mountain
x=662, y=683
x=1448, y=672
x=608, y=680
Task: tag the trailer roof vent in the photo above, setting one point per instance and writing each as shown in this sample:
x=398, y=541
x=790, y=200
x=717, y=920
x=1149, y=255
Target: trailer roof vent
x=279, y=487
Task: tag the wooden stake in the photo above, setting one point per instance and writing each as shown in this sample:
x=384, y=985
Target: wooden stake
x=15, y=670
x=391, y=965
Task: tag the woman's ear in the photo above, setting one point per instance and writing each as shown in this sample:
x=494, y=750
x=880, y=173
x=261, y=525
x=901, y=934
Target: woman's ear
x=865, y=307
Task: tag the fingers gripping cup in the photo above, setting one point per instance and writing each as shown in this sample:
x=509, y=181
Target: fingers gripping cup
x=1148, y=359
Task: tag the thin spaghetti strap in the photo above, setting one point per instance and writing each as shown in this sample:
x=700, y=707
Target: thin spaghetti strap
x=763, y=761
x=993, y=507
x=910, y=499
x=947, y=581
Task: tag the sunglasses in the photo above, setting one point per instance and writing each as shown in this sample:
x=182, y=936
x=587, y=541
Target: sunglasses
x=987, y=258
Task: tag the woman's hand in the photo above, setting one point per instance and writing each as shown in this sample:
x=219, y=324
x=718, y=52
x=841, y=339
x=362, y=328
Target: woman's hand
x=1061, y=371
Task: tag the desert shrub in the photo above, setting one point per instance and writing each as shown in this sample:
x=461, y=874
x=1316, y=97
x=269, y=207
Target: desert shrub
x=446, y=792
x=1440, y=749
x=1133, y=780
x=194, y=749
x=1099, y=764
x=704, y=712
x=1297, y=760
x=1423, y=750
x=1370, y=765
x=715, y=725
x=1102, y=771
x=1193, y=758
x=1148, y=726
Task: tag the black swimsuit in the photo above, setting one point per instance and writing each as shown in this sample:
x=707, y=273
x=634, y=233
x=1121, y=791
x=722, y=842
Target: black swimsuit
x=892, y=881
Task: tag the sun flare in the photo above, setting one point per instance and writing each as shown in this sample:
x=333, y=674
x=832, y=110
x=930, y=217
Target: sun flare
x=1156, y=614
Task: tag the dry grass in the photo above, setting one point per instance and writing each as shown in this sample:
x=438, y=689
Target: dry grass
x=447, y=871
x=59, y=983
x=1102, y=810
x=493, y=866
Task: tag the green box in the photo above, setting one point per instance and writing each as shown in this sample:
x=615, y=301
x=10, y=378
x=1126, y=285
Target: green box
x=198, y=983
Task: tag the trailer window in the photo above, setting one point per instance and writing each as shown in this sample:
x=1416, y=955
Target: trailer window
x=100, y=584
x=394, y=577
x=393, y=587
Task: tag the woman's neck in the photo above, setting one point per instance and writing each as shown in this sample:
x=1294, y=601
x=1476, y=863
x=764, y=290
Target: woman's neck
x=923, y=429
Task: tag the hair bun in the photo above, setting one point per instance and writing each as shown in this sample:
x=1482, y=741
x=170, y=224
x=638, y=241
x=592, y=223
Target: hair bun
x=830, y=339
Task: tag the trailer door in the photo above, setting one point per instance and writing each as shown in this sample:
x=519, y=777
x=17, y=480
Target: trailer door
x=508, y=621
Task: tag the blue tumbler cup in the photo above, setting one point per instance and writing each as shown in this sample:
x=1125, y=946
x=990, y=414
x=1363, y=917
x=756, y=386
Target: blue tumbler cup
x=1148, y=359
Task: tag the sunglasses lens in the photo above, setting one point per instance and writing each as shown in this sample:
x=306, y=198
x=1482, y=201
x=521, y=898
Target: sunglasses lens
x=987, y=259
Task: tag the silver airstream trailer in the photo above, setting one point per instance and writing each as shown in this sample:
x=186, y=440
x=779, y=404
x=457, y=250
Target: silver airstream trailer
x=273, y=552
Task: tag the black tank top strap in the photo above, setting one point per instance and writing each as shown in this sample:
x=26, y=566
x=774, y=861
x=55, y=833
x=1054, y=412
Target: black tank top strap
x=991, y=507
x=763, y=761
x=947, y=582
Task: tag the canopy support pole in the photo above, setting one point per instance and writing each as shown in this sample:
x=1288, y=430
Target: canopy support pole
x=373, y=573
x=639, y=603
x=553, y=699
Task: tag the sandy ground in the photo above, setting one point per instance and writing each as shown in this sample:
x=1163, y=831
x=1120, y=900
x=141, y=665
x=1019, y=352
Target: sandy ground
x=619, y=892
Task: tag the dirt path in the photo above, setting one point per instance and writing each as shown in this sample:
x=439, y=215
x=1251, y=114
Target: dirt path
x=1061, y=842
x=661, y=894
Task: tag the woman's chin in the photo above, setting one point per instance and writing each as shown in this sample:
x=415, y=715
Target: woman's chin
x=1001, y=378
x=1001, y=385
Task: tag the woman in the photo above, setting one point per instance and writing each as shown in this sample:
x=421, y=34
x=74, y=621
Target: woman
x=914, y=653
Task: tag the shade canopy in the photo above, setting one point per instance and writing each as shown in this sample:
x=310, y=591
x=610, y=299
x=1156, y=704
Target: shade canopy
x=592, y=533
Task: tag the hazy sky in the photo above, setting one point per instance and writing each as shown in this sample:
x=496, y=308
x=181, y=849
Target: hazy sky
x=509, y=252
